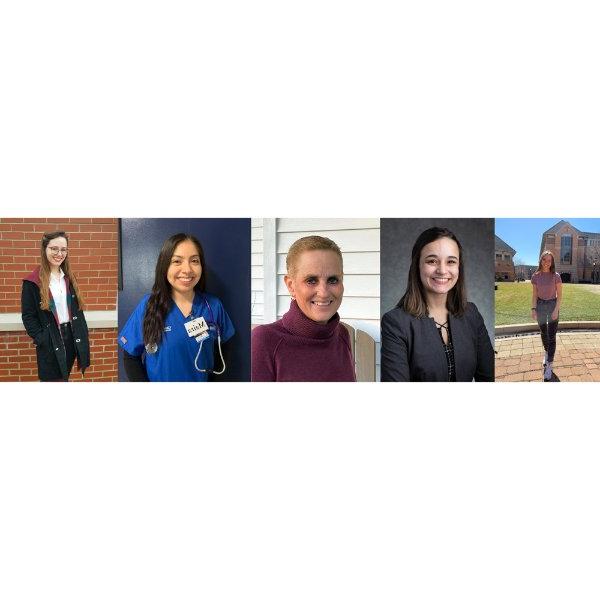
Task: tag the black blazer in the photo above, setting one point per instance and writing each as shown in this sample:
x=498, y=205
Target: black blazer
x=42, y=328
x=412, y=350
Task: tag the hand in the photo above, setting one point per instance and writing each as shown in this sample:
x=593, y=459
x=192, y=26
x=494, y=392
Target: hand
x=533, y=312
x=554, y=315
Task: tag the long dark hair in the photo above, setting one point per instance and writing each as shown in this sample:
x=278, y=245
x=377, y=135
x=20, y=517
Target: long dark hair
x=413, y=301
x=45, y=271
x=160, y=300
x=552, y=266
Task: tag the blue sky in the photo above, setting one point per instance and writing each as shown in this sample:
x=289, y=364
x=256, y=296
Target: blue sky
x=525, y=235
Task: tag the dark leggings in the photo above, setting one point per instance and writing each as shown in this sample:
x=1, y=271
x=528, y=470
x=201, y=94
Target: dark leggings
x=69, y=345
x=548, y=327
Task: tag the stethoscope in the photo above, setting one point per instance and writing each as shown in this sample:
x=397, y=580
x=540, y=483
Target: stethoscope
x=211, y=325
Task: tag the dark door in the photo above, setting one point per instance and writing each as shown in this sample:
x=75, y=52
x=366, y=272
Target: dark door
x=226, y=244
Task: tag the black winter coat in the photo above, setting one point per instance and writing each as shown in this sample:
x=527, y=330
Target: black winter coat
x=42, y=327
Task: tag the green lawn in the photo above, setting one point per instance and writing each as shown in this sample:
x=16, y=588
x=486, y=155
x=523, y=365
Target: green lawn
x=579, y=303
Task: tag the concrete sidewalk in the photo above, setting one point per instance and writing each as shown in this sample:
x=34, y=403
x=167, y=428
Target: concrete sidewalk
x=577, y=357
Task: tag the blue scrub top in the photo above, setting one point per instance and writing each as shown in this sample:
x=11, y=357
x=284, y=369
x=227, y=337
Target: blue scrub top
x=174, y=359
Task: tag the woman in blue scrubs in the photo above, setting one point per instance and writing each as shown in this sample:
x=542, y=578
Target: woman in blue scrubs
x=175, y=333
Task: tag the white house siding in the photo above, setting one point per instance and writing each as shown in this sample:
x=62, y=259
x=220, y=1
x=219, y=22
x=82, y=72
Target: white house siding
x=359, y=242
x=257, y=272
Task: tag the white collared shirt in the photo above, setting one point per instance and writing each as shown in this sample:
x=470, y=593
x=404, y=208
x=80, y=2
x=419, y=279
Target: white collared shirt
x=58, y=287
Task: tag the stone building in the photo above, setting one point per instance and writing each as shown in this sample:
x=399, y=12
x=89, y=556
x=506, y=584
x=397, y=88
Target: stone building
x=524, y=272
x=504, y=265
x=576, y=253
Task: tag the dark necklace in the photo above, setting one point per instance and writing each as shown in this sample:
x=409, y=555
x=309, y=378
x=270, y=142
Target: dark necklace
x=441, y=325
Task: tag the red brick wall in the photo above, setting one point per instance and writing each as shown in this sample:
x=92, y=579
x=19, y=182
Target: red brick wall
x=17, y=357
x=93, y=254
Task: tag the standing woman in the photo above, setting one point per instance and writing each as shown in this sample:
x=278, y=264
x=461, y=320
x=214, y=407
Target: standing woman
x=176, y=332
x=308, y=343
x=434, y=334
x=545, y=305
x=51, y=308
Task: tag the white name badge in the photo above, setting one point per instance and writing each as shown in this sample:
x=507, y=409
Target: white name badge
x=197, y=327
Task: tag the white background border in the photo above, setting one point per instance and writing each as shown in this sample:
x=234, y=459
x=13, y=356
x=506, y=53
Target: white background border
x=315, y=109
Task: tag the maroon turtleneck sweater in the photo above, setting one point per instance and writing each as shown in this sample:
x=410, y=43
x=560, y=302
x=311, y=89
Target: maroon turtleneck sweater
x=295, y=348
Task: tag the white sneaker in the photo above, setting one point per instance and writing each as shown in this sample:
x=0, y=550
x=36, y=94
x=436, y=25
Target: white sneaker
x=548, y=372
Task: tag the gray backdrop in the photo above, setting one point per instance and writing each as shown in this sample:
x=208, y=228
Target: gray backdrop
x=477, y=239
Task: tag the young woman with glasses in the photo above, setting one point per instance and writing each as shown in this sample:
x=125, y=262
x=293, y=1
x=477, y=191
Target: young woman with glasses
x=52, y=312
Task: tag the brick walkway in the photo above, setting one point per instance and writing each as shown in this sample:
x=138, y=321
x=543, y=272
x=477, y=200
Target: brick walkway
x=577, y=357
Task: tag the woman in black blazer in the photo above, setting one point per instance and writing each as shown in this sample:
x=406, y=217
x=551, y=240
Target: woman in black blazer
x=434, y=334
x=51, y=309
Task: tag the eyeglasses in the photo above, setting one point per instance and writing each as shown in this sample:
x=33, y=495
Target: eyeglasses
x=56, y=250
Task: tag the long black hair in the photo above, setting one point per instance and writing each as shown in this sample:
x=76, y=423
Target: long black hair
x=413, y=301
x=160, y=300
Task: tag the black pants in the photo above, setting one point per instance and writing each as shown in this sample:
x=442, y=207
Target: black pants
x=548, y=327
x=69, y=345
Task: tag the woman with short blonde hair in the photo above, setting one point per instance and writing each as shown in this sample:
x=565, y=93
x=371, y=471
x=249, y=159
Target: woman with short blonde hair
x=309, y=343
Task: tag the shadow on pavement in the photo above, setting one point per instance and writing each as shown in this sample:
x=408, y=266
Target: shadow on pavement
x=555, y=378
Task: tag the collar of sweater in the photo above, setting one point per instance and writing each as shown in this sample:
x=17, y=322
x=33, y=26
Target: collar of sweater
x=297, y=323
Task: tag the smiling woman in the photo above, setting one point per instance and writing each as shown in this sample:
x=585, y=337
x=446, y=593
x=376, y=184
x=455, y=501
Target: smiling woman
x=434, y=334
x=175, y=333
x=308, y=343
x=315, y=281
x=547, y=296
x=51, y=307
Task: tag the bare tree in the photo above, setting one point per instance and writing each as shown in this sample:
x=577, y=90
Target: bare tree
x=593, y=256
x=591, y=264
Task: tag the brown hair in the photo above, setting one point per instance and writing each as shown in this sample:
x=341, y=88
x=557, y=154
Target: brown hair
x=305, y=244
x=552, y=267
x=45, y=271
x=413, y=301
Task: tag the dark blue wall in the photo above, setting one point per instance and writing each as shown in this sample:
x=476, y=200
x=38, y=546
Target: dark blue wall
x=226, y=244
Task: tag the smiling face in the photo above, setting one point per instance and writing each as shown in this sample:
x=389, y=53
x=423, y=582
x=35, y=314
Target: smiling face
x=185, y=269
x=439, y=266
x=546, y=262
x=316, y=282
x=56, y=252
